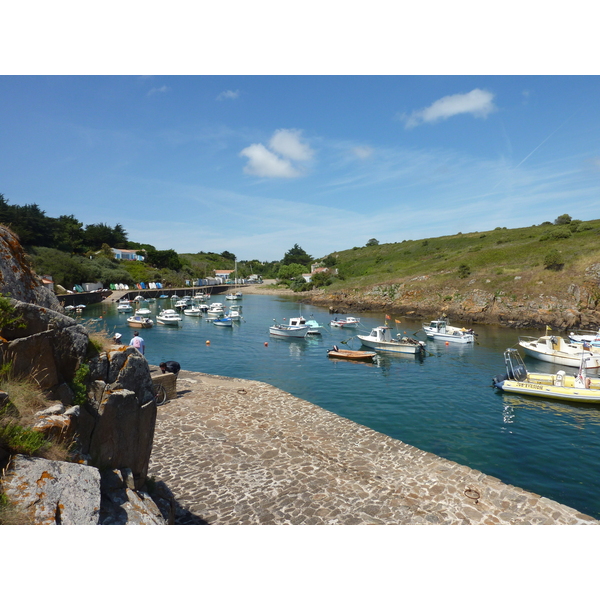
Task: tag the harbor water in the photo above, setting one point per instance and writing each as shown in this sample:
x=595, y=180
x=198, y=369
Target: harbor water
x=441, y=403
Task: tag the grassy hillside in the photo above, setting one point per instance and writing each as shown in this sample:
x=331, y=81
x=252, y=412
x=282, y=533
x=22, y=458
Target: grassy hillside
x=494, y=260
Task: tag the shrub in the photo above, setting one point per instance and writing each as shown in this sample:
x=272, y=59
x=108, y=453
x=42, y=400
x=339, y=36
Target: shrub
x=79, y=384
x=553, y=260
x=22, y=440
x=464, y=271
x=562, y=220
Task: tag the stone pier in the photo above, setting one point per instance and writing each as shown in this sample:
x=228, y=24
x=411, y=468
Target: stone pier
x=236, y=451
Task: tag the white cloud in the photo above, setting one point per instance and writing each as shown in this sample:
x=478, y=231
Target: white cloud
x=228, y=95
x=285, y=146
x=287, y=142
x=478, y=103
x=363, y=152
x=264, y=163
x=160, y=90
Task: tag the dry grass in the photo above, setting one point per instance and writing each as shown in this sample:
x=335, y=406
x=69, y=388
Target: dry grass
x=26, y=399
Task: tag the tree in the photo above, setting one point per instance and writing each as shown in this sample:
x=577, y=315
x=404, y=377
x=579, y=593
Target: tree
x=228, y=255
x=290, y=271
x=373, y=242
x=164, y=259
x=562, y=220
x=297, y=256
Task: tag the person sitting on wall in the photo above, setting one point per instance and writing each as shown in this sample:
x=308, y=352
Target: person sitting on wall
x=170, y=366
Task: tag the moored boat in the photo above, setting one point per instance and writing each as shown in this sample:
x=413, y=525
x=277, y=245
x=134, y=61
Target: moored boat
x=289, y=331
x=192, y=311
x=169, y=317
x=140, y=322
x=556, y=350
x=216, y=309
x=348, y=322
x=124, y=306
x=357, y=355
x=589, y=337
x=143, y=312
x=381, y=339
x=313, y=327
x=557, y=386
x=223, y=322
x=440, y=329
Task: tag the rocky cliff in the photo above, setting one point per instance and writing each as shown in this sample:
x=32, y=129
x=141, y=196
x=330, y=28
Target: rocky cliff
x=109, y=426
x=573, y=306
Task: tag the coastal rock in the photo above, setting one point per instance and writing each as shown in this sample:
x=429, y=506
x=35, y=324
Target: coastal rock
x=123, y=434
x=50, y=348
x=54, y=492
x=16, y=276
x=123, y=505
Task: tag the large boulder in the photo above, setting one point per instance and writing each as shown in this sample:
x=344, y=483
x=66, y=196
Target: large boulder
x=16, y=277
x=50, y=347
x=54, y=492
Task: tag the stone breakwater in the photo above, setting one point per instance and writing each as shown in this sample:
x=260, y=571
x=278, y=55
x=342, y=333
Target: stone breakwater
x=236, y=451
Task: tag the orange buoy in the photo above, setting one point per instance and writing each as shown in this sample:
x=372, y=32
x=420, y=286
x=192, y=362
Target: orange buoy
x=208, y=342
x=266, y=343
x=447, y=343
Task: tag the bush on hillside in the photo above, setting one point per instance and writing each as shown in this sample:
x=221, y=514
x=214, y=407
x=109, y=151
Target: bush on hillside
x=553, y=260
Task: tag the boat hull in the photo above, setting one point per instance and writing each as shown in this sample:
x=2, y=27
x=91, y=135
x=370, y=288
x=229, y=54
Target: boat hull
x=140, y=323
x=287, y=332
x=561, y=358
x=355, y=355
x=398, y=347
x=553, y=392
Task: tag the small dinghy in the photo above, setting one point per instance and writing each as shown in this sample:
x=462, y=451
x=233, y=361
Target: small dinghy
x=361, y=355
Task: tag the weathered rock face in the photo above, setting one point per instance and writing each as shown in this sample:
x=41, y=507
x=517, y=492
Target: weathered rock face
x=50, y=348
x=59, y=493
x=54, y=492
x=16, y=276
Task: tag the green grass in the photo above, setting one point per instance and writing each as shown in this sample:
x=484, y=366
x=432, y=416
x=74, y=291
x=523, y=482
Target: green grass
x=494, y=258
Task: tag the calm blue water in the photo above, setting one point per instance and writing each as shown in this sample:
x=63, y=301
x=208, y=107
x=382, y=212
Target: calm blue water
x=443, y=403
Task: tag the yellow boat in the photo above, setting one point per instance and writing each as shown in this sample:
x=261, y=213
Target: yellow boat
x=557, y=386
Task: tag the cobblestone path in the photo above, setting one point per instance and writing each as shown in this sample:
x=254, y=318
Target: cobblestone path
x=235, y=451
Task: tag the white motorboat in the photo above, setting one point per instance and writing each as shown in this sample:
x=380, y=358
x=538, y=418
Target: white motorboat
x=381, y=339
x=143, y=312
x=181, y=304
x=288, y=331
x=313, y=327
x=192, y=311
x=556, y=350
x=140, y=322
x=234, y=315
x=231, y=297
x=441, y=330
x=216, y=309
x=223, y=322
x=169, y=317
x=556, y=386
x=347, y=323
x=589, y=337
x=124, y=307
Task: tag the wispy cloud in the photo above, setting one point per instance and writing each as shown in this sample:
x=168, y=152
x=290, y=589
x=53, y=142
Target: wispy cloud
x=362, y=152
x=229, y=95
x=479, y=103
x=286, y=147
x=160, y=90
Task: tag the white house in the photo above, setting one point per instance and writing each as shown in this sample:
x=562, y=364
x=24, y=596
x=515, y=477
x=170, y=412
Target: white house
x=127, y=254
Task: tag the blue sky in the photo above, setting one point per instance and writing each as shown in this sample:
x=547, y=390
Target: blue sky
x=254, y=164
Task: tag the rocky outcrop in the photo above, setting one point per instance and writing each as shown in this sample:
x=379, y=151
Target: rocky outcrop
x=59, y=493
x=574, y=307
x=49, y=348
x=17, y=279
